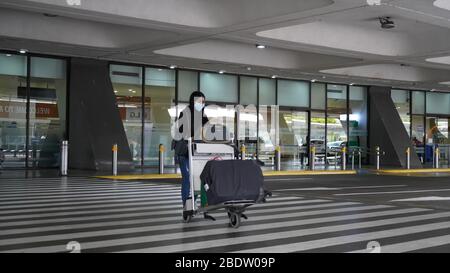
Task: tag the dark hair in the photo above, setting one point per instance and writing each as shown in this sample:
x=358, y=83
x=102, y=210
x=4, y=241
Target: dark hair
x=195, y=94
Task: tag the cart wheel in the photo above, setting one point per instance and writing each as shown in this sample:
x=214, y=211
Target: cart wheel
x=235, y=220
x=187, y=217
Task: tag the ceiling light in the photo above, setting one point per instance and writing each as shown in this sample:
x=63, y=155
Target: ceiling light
x=159, y=69
x=249, y=68
x=352, y=84
x=8, y=55
x=23, y=51
x=173, y=66
x=130, y=90
x=432, y=90
x=221, y=71
x=445, y=83
x=274, y=76
x=386, y=22
x=115, y=91
x=313, y=80
x=258, y=46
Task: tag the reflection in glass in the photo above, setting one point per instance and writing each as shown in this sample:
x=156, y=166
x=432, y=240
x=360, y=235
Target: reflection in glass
x=401, y=101
x=127, y=84
x=358, y=117
x=47, y=111
x=293, y=93
x=337, y=117
x=13, y=103
x=159, y=103
x=293, y=137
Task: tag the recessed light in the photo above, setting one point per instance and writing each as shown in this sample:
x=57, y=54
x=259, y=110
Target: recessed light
x=115, y=91
x=221, y=71
x=313, y=80
x=23, y=51
x=274, y=76
x=259, y=46
x=249, y=68
x=173, y=66
x=130, y=90
x=351, y=84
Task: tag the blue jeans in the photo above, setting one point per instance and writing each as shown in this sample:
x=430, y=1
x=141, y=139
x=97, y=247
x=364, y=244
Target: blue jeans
x=185, y=184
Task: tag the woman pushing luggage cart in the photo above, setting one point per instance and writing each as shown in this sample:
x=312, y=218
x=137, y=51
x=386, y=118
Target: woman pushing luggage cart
x=222, y=182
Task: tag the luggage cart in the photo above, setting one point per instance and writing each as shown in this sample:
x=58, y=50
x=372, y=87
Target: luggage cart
x=199, y=155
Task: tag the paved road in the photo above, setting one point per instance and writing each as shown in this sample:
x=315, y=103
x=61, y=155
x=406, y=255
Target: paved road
x=311, y=214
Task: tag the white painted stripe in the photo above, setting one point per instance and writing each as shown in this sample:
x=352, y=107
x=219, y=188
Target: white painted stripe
x=55, y=214
x=423, y=199
x=341, y=240
x=129, y=202
x=289, y=179
x=340, y=188
x=216, y=231
x=102, y=197
x=147, y=192
x=297, y=233
x=96, y=217
x=120, y=221
x=412, y=245
x=390, y=192
x=30, y=188
x=106, y=198
x=102, y=201
x=84, y=191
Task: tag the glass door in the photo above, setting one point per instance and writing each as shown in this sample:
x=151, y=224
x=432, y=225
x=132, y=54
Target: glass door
x=437, y=137
x=293, y=138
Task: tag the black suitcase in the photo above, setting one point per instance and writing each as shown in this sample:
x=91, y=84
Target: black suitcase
x=232, y=180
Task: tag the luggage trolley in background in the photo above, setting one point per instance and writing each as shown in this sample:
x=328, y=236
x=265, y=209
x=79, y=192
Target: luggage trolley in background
x=199, y=155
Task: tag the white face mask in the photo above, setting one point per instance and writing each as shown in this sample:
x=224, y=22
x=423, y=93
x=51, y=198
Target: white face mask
x=199, y=106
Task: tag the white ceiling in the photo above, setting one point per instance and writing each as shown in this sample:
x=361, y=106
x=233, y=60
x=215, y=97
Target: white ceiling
x=338, y=41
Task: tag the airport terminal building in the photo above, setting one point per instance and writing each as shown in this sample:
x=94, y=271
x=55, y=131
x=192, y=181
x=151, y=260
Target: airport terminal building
x=84, y=73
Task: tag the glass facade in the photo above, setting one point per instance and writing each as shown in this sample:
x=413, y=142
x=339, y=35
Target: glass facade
x=32, y=110
x=127, y=84
x=292, y=114
x=401, y=99
x=337, y=118
x=358, y=123
x=159, y=99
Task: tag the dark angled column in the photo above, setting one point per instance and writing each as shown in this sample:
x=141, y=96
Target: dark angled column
x=387, y=130
x=94, y=120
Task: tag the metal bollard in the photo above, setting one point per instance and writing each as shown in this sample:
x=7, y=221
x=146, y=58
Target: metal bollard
x=437, y=153
x=278, y=158
x=243, y=152
x=161, y=158
x=313, y=158
x=360, y=159
x=344, y=158
x=353, y=160
x=64, y=157
x=335, y=160
x=408, y=158
x=378, y=158
x=115, y=150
